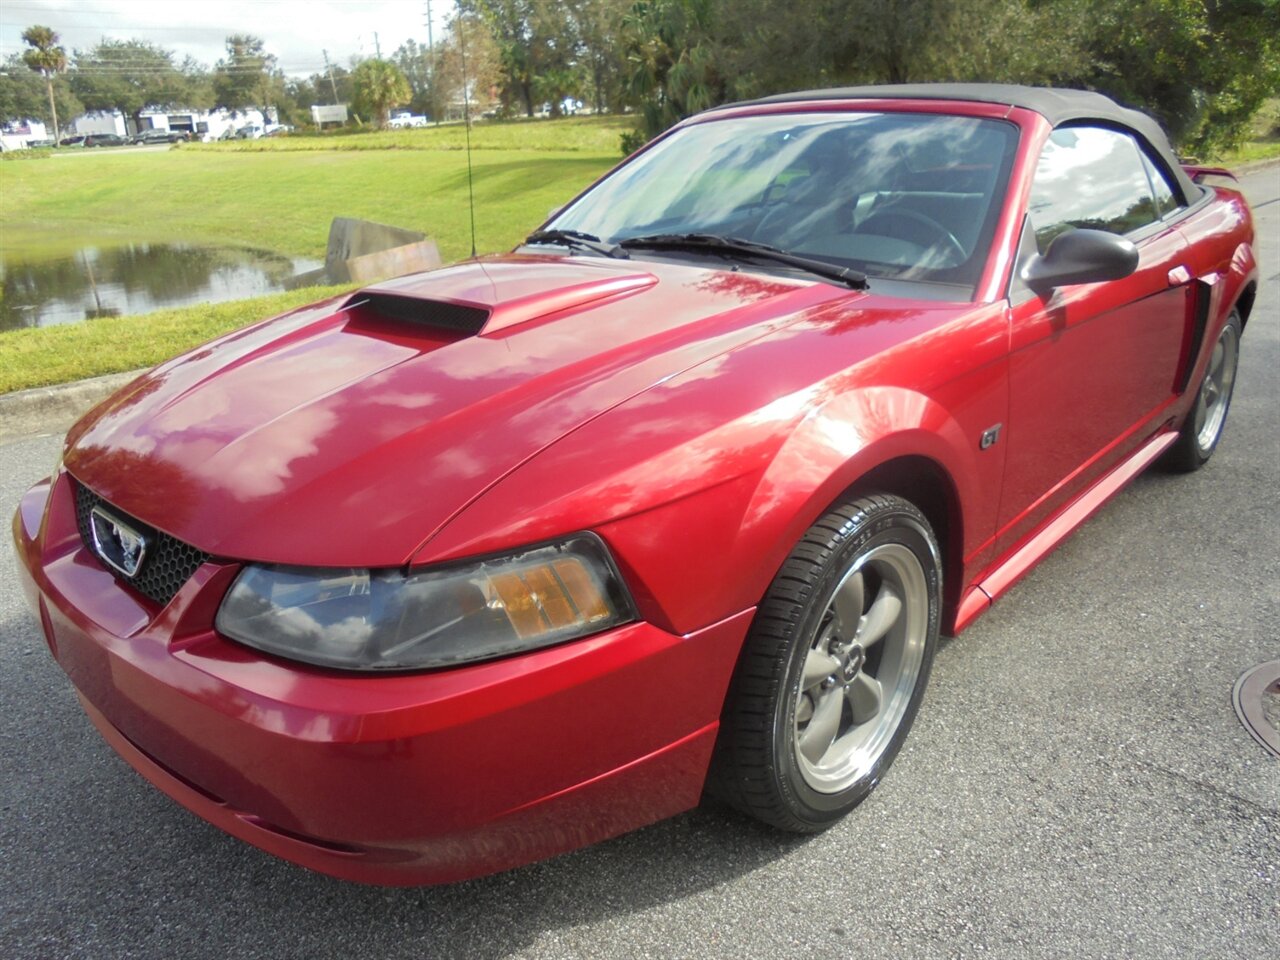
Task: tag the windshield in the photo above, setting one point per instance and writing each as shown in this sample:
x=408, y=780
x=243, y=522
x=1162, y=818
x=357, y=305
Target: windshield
x=892, y=195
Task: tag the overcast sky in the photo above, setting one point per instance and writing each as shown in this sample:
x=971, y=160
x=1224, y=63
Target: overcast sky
x=296, y=31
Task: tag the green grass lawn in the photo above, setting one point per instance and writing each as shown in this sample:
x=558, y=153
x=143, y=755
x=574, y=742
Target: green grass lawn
x=283, y=199
x=1250, y=152
x=46, y=355
x=594, y=135
x=278, y=195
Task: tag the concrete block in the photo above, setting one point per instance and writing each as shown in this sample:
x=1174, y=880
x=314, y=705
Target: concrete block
x=350, y=238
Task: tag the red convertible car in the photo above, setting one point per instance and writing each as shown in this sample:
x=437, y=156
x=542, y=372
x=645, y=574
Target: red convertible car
x=479, y=565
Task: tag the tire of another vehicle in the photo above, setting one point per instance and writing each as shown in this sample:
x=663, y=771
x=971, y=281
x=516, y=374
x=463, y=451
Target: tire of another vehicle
x=1202, y=430
x=834, y=667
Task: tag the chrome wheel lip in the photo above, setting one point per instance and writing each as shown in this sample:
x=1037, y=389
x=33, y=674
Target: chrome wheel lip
x=1215, y=391
x=857, y=747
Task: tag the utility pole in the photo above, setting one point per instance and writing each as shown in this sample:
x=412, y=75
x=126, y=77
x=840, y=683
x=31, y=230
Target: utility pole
x=431, y=68
x=376, y=45
x=329, y=70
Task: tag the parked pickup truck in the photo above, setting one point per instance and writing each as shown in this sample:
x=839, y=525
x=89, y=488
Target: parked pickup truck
x=406, y=119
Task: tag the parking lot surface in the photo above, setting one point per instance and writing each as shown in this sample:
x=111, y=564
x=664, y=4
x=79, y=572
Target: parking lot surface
x=1077, y=784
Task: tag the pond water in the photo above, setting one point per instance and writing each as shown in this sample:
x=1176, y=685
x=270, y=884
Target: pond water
x=118, y=280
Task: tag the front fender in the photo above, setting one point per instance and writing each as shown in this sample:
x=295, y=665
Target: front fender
x=703, y=483
x=839, y=443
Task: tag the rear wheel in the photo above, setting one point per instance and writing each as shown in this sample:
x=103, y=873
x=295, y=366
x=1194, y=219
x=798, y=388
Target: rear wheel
x=1203, y=428
x=834, y=667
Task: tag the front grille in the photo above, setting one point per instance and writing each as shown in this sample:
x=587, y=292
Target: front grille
x=168, y=564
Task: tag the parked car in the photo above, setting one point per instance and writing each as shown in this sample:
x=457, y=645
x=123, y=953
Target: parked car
x=405, y=119
x=251, y=131
x=104, y=140
x=151, y=137
x=71, y=142
x=478, y=565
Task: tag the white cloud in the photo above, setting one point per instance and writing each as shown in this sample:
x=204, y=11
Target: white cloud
x=296, y=31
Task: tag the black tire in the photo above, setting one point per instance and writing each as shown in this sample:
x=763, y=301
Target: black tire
x=769, y=760
x=1207, y=419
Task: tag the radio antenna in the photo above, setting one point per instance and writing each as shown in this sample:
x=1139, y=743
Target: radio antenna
x=466, y=120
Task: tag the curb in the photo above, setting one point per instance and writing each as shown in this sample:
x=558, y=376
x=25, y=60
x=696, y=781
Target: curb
x=1253, y=166
x=54, y=408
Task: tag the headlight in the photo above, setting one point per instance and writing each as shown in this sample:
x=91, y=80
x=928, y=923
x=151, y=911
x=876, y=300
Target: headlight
x=386, y=620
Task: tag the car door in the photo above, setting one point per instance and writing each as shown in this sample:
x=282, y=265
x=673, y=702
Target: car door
x=1092, y=366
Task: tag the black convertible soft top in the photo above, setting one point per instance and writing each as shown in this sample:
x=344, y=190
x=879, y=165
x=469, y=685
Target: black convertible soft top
x=1055, y=104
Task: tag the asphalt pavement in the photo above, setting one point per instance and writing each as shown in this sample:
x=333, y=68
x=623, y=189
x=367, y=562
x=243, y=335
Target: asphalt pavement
x=1077, y=784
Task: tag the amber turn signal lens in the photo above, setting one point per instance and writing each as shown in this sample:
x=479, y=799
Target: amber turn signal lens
x=550, y=597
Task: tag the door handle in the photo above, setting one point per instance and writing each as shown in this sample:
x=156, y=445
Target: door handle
x=1178, y=276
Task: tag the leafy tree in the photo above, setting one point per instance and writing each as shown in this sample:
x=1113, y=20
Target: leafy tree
x=299, y=95
x=885, y=41
x=1203, y=67
x=1244, y=70
x=23, y=95
x=336, y=78
x=379, y=86
x=676, y=61
x=414, y=61
x=129, y=76
x=46, y=58
x=247, y=77
x=602, y=55
x=538, y=48
x=512, y=24
x=197, y=85
x=483, y=74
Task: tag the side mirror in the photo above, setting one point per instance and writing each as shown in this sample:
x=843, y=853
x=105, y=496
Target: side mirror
x=1081, y=256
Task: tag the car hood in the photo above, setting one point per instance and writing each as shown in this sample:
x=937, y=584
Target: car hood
x=347, y=433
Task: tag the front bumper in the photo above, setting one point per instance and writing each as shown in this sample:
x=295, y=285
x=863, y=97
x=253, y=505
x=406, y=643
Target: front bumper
x=419, y=778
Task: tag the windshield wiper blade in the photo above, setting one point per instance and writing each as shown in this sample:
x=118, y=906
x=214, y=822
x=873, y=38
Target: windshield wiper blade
x=734, y=245
x=578, y=240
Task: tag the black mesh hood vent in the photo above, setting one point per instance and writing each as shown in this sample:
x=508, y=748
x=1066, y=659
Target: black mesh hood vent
x=439, y=314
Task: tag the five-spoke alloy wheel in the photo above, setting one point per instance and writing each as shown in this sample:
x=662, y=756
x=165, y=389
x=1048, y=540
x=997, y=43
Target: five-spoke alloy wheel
x=837, y=661
x=861, y=668
x=1203, y=427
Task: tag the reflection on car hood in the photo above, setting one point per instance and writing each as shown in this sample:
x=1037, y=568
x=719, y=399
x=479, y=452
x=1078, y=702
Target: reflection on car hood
x=341, y=436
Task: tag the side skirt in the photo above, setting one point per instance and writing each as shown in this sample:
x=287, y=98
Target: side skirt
x=979, y=597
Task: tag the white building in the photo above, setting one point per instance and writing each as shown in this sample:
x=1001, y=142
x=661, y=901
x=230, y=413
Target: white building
x=18, y=134
x=201, y=124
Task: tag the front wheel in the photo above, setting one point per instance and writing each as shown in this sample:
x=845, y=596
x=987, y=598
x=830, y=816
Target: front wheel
x=1203, y=427
x=834, y=667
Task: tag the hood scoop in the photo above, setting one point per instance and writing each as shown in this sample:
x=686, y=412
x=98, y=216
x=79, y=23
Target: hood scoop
x=480, y=298
x=369, y=305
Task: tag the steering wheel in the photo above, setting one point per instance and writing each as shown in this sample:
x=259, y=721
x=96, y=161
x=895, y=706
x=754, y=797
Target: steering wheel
x=937, y=230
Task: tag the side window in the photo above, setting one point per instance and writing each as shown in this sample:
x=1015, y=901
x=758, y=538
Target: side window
x=1166, y=199
x=1090, y=177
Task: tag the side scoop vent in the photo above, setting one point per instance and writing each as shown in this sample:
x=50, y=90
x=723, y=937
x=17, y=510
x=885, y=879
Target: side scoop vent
x=437, y=314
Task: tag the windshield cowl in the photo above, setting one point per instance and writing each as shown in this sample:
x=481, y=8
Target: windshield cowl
x=738, y=248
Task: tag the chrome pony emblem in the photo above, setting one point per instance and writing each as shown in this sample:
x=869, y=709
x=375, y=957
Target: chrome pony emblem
x=120, y=547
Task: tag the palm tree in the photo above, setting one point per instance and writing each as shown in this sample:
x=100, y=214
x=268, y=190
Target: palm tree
x=380, y=85
x=47, y=59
